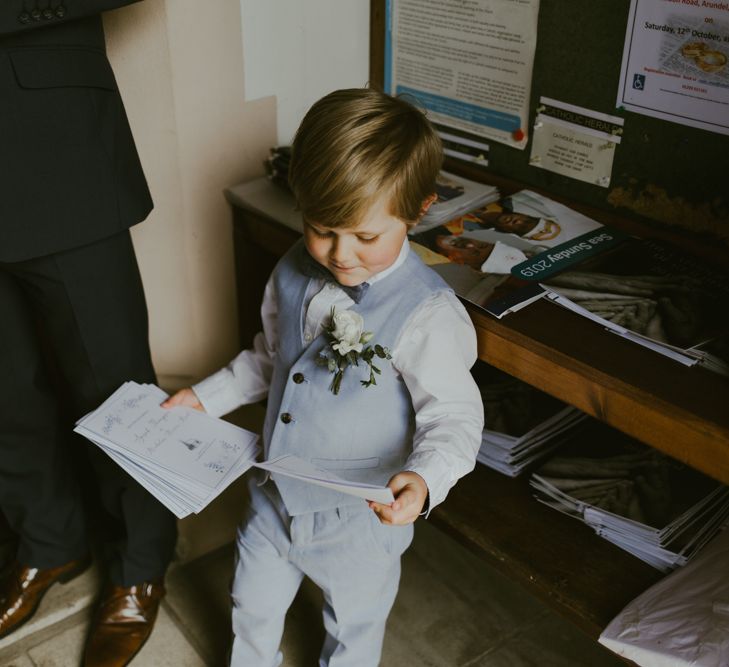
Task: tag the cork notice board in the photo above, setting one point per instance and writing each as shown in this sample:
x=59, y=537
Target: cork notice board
x=664, y=174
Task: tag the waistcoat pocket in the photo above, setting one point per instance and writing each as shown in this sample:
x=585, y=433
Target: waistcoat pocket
x=347, y=464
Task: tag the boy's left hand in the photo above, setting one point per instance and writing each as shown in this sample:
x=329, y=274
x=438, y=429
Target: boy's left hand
x=410, y=491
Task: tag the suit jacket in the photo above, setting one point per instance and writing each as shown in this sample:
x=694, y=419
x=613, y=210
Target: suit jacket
x=69, y=170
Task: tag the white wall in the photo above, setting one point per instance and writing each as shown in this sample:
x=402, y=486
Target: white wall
x=181, y=75
x=299, y=50
x=209, y=88
x=200, y=125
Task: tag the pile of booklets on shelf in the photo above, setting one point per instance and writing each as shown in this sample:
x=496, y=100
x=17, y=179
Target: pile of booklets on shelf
x=456, y=196
x=648, y=504
x=713, y=354
x=656, y=295
x=523, y=424
x=503, y=255
x=495, y=254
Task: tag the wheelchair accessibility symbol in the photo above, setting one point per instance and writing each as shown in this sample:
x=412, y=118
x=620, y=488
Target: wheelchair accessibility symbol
x=639, y=81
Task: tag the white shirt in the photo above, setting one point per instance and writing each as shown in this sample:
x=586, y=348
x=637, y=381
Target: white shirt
x=434, y=353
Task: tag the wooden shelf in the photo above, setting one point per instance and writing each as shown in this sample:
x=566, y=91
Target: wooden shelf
x=678, y=410
x=561, y=560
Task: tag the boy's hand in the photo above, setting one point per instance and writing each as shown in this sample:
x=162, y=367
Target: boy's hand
x=410, y=491
x=185, y=397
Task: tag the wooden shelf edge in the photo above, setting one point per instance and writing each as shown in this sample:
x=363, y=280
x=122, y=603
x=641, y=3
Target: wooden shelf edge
x=693, y=439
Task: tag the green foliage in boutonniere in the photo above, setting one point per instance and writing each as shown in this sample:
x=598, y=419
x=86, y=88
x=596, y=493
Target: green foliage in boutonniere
x=349, y=341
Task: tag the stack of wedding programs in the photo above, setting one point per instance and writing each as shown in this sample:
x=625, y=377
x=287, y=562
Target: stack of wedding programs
x=456, y=196
x=523, y=423
x=183, y=457
x=648, y=504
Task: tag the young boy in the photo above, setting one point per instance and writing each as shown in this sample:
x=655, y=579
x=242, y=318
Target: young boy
x=363, y=171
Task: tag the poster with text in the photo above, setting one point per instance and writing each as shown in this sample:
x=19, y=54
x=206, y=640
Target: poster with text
x=675, y=62
x=468, y=63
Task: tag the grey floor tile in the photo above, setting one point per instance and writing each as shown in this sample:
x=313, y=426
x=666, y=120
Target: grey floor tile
x=451, y=607
x=61, y=602
x=197, y=593
x=65, y=649
x=549, y=642
x=167, y=647
x=19, y=661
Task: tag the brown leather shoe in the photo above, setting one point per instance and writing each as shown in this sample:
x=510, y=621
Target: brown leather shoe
x=25, y=587
x=122, y=624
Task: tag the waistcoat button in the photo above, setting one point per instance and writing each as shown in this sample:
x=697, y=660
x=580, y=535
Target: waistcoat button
x=298, y=378
x=286, y=418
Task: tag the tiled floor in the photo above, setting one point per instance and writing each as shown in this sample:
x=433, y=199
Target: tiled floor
x=452, y=610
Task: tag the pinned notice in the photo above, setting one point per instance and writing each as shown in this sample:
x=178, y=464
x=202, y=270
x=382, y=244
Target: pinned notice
x=575, y=142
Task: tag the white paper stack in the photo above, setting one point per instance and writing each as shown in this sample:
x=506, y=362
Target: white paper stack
x=510, y=454
x=456, y=196
x=183, y=457
x=293, y=466
x=674, y=544
x=654, y=507
x=523, y=424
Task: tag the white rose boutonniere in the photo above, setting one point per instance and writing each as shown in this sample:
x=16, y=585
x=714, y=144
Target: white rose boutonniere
x=347, y=329
x=349, y=341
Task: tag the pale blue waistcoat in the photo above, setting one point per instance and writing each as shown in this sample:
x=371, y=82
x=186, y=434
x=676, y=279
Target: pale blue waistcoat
x=362, y=434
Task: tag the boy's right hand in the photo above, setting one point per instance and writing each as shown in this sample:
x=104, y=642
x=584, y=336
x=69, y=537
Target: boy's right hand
x=186, y=398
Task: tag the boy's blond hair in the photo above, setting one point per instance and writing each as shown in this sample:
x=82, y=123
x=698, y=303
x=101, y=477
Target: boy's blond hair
x=355, y=145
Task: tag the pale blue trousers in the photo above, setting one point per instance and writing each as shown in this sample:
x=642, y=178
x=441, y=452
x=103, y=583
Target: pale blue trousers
x=347, y=552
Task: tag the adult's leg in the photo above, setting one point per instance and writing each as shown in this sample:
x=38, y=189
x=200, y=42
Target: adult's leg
x=38, y=490
x=8, y=546
x=264, y=585
x=92, y=303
